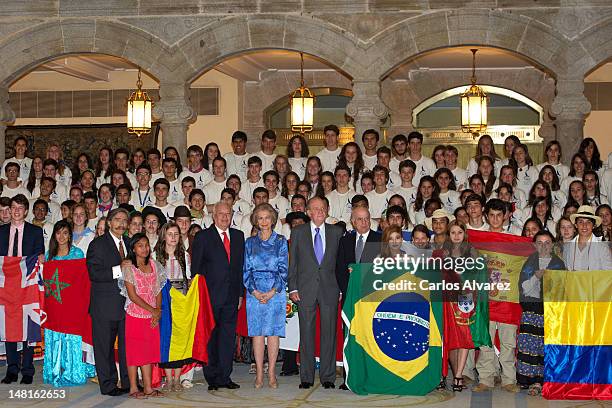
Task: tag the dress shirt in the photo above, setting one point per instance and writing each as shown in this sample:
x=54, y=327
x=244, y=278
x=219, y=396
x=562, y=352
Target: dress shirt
x=12, y=238
x=321, y=233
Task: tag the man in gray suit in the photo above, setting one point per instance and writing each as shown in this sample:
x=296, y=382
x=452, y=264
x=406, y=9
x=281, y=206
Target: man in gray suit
x=312, y=281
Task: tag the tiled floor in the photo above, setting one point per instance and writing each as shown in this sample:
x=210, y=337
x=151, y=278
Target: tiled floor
x=287, y=395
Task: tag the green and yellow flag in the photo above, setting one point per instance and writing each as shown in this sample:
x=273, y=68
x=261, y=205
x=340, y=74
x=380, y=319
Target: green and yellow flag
x=393, y=343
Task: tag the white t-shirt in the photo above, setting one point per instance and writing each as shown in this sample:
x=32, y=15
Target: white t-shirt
x=378, y=202
x=202, y=178
x=60, y=194
x=450, y=200
x=409, y=193
x=66, y=178
x=424, y=167
x=25, y=165
x=242, y=207
x=461, y=178
x=267, y=160
x=167, y=210
x=246, y=191
x=370, y=161
x=525, y=177
x=142, y=199
x=53, y=215
x=298, y=165
x=561, y=169
x=340, y=205
x=237, y=165
x=281, y=205
x=175, y=194
x=12, y=192
x=329, y=158
x=212, y=191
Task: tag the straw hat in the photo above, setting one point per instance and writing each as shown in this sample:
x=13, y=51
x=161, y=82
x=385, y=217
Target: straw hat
x=441, y=213
x=586, y=211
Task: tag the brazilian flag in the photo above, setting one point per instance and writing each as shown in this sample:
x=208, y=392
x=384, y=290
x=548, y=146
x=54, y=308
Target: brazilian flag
x=393, y=343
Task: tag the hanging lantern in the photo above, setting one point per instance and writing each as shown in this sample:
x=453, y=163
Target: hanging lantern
x=139, y=110
x=302, y=105
x=474, y=105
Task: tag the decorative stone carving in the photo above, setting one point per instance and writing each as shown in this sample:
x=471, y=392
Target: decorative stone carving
x=366, y=107
x=7, y=117
x=175, y=112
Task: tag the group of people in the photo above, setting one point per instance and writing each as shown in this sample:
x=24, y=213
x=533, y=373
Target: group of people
x=264, y=227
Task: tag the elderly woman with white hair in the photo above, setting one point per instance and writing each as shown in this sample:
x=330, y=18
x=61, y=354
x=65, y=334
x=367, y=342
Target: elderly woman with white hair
x=265, y=278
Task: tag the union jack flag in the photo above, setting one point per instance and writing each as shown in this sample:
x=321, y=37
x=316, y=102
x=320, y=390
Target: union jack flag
x=21, y=299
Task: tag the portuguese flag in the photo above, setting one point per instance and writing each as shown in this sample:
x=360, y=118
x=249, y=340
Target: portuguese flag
x=393, y=342
x=505, y=254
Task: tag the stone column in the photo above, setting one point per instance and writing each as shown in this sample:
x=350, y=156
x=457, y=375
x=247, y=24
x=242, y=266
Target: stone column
x=175, y=112
x=7, y=117
x=569, y=108
x=366, y=108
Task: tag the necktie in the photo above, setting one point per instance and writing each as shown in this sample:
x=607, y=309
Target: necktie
x=318, y=245
x=359, y=249
x=226, y=244
x=121, y=250
x=16, y=242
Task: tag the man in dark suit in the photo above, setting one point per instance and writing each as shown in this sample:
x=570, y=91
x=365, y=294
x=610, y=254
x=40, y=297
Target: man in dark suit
x=312, y=282
x=20, y=238
x=106, y=304
x=361, y=245
x=218, y=255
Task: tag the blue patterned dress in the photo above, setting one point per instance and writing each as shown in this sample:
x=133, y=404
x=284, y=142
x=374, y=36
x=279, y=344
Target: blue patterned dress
x=265, y=267
x=63, y=364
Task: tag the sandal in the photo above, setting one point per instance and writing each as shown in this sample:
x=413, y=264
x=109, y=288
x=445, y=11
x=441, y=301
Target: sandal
x=137, y=395
x=442, y=385
x=186, y=383
x=458, y=384
x=253, y=369
x=535, y=389
x=155, y=394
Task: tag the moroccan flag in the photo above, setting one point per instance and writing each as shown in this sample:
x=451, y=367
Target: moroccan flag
x=67, y=290
x=21, y=297
x=577, y=335
x=505, y=254
x=393, y=344
x=186, y=322
x=466, y=311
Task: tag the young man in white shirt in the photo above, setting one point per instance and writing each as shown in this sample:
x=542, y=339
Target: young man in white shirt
x=383, y=158
x=142, y=196
x=254, y=179
x=370, y=139
x=60, y=193
x=399, y=148
x=218, y=183
x=378, y=198
x=240, y=206
x=154, y=162
x=280, y=203
x=24, y=162
x=13, y=185
x=495, y=212
x=340, y=199
x=175, y=196
x=329, y=154
x=266, y=154
x=197, y=205
x=424, y=165
x=122, y=158
x=161, y=188
x=195, y=168
x=473, y=207
x=407, y=189
x=47, y=185
x=450, y=159
x=237, y=160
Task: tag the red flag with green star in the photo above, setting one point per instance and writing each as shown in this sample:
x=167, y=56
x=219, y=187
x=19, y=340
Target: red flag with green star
x=67, y=298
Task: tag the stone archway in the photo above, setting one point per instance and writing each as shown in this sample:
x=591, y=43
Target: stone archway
x=206, y=47
x=29, y=48
x=492, y=28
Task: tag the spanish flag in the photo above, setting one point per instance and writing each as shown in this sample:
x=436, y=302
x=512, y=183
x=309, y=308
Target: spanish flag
x=186, y=322
x=393, y=344
x=577, y=335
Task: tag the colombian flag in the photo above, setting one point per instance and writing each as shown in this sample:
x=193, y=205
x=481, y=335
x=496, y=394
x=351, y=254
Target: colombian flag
x=393, y=344
x=505, y=254
x=577, y=335
x=186, y=322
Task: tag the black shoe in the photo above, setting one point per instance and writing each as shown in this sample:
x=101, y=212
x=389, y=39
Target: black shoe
x=212, y=388
x=328, y=384
x=289, y=373
x=126, y=390
x=230, y=385
x=305, y=385
x=116, y=392
x=10, y=378
x=26, y=379
x=343, y=387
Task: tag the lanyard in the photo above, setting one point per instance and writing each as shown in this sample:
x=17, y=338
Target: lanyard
x=146, y=197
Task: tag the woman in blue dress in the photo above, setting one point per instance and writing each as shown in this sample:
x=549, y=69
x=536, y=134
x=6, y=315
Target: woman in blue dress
x=265, y=278
x=64, y=363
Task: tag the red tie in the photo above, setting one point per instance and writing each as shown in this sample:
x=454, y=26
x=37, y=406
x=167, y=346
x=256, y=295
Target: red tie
x=226, y=244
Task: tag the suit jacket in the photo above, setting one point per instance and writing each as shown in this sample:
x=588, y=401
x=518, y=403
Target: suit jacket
x=32, y=242
x=313, y=281
x=346, y=255
x=224, y=279
x=106, y=301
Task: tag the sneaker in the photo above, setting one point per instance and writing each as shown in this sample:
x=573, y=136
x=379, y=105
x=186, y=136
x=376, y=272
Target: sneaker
x=511, y=388
x=480, y=387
